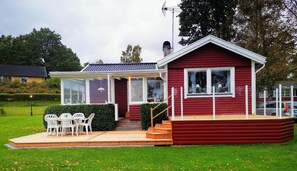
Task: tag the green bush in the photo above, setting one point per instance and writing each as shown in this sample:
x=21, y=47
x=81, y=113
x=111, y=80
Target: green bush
x=53, y=83
x=26, y=97
x=104, y=114
x=145, y=114
x=15, y=87
x=2, y=111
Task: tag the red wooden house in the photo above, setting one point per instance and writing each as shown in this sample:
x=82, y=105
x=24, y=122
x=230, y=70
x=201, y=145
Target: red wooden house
x=208, y=67
x=198, y=67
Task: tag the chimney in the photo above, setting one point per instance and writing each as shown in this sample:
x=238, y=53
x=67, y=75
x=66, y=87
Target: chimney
x=166, y=48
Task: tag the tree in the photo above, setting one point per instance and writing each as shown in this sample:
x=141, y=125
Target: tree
x=261, y=29
x=132, y=54
x=100, y=61
x=40, y=48
x=201, y=18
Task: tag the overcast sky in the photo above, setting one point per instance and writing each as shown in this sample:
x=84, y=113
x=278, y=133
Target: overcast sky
x=95, y=29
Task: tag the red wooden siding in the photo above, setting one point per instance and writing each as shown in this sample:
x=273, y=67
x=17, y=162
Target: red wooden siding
x=121, y=96
x=211, y=56
x=134, y=112
x=232, y=131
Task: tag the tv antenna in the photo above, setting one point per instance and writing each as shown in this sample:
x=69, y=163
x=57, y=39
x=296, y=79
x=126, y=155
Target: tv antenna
x=173, y=10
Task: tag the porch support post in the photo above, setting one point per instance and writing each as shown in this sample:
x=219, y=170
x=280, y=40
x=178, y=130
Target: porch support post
x=62, y=90
x=292, y=101
x=108, y=86
x=87, y=91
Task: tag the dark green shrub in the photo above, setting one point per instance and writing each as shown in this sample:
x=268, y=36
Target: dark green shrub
x=53, y=83
x=25, y=97
x=2, y=111
x=145, y=114
x=104, y=114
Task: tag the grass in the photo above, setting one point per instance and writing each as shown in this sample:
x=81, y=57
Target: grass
x=204, y=157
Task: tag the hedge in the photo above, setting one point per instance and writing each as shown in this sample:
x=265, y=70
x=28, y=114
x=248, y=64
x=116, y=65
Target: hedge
x=24, y=97
x=104, y=114
x=145, y=114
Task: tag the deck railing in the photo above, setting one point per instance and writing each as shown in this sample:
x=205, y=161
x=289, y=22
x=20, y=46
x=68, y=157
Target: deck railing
x=153, y=108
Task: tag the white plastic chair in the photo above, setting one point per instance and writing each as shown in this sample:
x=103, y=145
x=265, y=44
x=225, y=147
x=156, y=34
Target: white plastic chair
x=79, y=117
x=67, y=121
x=87, y=123
x=52, y=124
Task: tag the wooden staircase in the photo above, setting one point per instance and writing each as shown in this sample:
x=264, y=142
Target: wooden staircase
x=126, y=124
x=160, y=131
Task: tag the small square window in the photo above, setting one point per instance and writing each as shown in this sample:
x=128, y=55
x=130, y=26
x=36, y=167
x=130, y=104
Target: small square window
x=24, y=80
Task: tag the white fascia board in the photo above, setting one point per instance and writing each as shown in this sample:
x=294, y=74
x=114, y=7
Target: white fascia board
x=85, y=67
x=217, y=41
x=91, y=74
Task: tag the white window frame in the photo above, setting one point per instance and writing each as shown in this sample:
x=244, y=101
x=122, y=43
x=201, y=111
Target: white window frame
x=208, y=82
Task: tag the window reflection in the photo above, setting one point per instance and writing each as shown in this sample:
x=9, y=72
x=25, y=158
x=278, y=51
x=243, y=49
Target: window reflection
x=74, y=91
x=155, y=90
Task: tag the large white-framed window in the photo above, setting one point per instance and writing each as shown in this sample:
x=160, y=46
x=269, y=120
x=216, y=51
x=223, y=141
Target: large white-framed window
x=198, y=82
x=145, y=89
x=74, y=91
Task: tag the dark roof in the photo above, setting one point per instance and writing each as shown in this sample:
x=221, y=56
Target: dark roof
x=120, y=67
x=22, y=71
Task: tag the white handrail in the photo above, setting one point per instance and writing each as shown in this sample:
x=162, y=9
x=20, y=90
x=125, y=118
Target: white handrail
x=280, y=100
x=264, y=102
x=213, y=103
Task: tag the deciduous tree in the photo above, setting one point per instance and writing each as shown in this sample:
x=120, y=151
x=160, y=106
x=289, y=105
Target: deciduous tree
x=132, y=54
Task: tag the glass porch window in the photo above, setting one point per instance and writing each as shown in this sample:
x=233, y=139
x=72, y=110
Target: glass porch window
x=74, y=91
x=155, y=90
x=197, y=82
x=221, y=81
x=98, y=91
x=136, y=89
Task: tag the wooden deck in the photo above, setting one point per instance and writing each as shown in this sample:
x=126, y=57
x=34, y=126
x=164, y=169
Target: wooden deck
x=95, y=139
x=231, y=129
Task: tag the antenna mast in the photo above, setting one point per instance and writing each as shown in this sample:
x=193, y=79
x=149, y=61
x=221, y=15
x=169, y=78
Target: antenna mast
x=173, y=10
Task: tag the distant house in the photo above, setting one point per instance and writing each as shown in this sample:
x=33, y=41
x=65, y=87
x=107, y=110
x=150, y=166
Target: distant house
x=23, y=74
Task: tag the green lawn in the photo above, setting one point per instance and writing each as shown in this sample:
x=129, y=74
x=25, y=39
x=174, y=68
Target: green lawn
x=205, y=157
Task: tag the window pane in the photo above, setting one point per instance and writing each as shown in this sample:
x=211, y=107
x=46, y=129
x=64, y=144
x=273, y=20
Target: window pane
x=98, y=91
x=155, y=89
x=196, y=82
x=136, y=89
x=74, y=91
x=221, y=81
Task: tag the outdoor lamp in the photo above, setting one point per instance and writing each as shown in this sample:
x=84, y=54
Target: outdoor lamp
x=31, y=97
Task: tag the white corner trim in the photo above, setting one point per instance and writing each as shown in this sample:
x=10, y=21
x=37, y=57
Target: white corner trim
x=253, y=87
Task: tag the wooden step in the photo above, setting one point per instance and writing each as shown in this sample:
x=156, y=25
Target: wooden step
x=160, y=131
x=157, y=135
x=163, y=125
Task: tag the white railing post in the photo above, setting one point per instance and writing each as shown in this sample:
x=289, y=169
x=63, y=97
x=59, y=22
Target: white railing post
x=172, y=101
x=264, y=102
x=213, y=103
x=116, y=112
x=292, y=101
x=246, y=102
x=181, y=103
x=280, y=100
x=276, y=101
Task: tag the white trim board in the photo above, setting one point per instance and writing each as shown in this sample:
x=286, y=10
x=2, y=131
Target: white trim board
x=217, y=41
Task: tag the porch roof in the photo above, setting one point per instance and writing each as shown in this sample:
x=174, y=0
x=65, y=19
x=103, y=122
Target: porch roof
x=98, y=74
x=122, y=70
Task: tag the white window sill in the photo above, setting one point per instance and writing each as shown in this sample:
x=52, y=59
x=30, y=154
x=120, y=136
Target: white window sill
x=210, y=95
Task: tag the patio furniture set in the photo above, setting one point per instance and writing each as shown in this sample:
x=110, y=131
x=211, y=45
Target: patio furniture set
x=66, y=122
